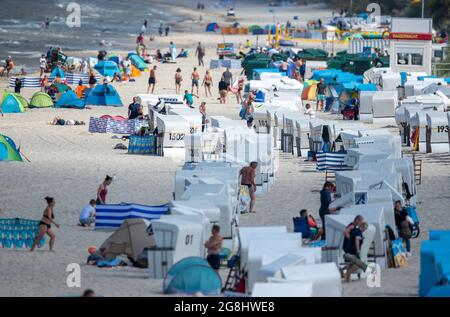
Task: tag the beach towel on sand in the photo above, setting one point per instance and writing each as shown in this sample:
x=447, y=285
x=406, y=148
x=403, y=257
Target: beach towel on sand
x=111, y=263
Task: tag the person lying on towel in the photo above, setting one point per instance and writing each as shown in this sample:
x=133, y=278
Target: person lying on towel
x=61, y=121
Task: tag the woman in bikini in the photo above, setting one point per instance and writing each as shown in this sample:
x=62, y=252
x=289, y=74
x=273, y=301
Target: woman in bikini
x=45, y=224
x=178, y=80
x=241, y=84
x=103, y=190
x=207, y=82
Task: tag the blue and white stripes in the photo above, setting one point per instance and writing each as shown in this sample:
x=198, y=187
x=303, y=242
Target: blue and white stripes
x=331, y=161
x=112, y=216
x=35, y=82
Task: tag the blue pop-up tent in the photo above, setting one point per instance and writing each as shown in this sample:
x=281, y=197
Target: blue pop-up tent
x=104, y=95
x=107, y=68
x=192, y=275
x=69, y=100
x=57, y=72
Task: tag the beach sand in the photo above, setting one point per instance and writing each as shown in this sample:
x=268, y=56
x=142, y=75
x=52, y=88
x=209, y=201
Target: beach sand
x=69, y=163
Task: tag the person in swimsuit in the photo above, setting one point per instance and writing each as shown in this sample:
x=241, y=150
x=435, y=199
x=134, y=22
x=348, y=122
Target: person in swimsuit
x=207, y=82
x=202, y=109
x=214, y=245
x=195, y=76
x=248, y=179
x=178, y=80
x=152, y=80
x=92, y=80
x=103, y=190
x=45, y=224
x=241, y=83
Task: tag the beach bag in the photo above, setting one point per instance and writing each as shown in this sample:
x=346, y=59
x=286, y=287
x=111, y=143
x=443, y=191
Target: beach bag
x=405, y=230
x=399, y=253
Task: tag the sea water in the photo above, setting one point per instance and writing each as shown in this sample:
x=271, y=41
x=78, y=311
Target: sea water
x=111, y=25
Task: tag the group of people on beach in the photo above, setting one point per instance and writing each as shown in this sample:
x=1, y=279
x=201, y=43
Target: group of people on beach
x=86, y=218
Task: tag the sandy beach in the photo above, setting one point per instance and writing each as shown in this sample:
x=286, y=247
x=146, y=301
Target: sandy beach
x=69, y=163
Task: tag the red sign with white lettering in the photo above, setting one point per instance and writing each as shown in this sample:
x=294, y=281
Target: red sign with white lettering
x=411, y=36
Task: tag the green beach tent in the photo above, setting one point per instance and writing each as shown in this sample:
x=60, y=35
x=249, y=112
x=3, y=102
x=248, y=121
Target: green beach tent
x=41, y=100
x=13, y=103
x=8, y=150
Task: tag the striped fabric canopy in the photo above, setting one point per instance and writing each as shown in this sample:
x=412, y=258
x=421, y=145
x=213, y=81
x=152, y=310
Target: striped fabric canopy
x=331, y=161
x=112, y=216
x=35, y=82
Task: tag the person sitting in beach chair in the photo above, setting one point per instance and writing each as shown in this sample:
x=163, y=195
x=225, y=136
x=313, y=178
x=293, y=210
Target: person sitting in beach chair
x=307, y=226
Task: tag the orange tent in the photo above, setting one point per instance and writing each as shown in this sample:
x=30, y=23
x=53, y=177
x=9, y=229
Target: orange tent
x=80, y=91
x=135, y=72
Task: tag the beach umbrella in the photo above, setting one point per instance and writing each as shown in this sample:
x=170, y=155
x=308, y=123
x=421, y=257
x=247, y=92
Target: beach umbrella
x=310, y=92
x=309, y=83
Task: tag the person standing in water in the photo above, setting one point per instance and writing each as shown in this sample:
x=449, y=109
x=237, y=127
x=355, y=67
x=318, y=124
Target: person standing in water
x=103, y=190
x=47, y=23
x=45, y=225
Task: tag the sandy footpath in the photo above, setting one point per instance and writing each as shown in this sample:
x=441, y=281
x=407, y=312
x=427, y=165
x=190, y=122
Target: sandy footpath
x=69, y=163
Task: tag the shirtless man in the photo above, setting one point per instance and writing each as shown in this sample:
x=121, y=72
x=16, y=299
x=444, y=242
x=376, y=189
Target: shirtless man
x=248, y=179
x=214, y=245
x=152, y=80
x=195, y=80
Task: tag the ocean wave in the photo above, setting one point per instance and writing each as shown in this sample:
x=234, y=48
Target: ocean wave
x=10, y=42
x=12, y=21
